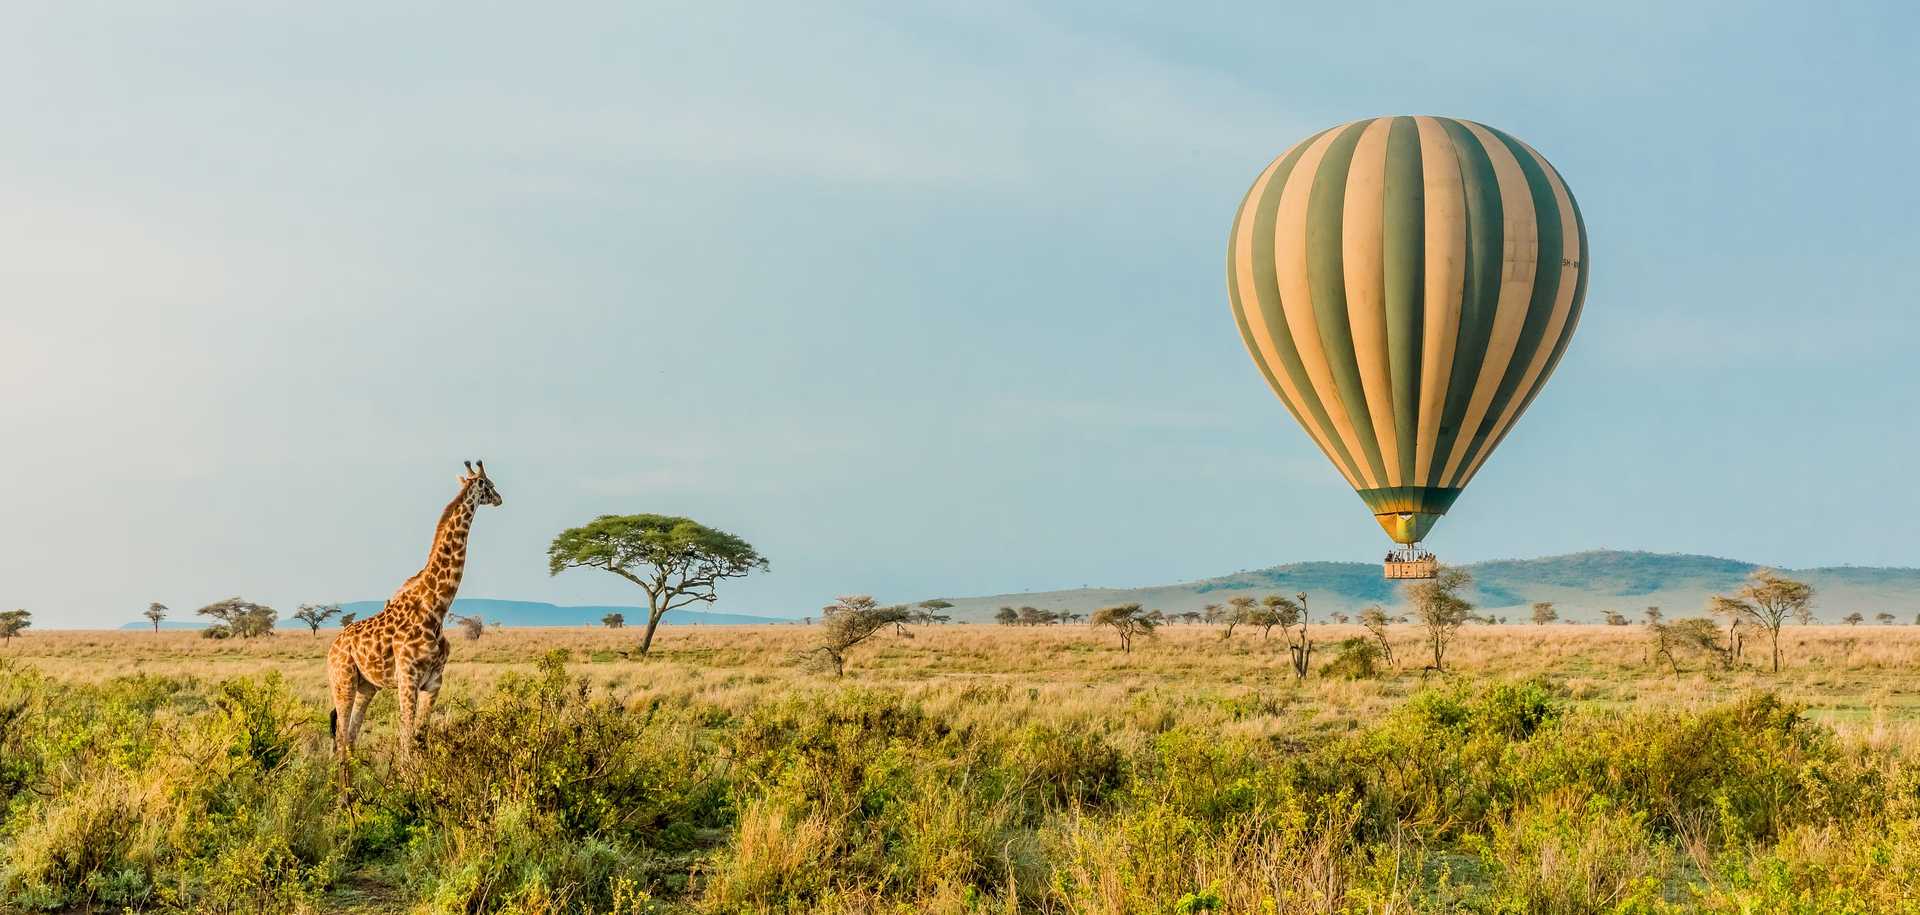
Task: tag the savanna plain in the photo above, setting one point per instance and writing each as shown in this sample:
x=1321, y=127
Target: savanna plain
x=971, y=768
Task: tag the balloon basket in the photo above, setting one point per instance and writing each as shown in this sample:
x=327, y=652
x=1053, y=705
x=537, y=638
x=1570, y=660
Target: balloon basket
x=1410, y=563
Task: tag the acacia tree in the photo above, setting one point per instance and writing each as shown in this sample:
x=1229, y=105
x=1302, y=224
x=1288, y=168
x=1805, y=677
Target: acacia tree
x=848, y=622
x=928, y=611
x=1653, y=615
x=235, y=617
x=1034, y=616
x=1853, y=619
x=154, y=613
x=1006, y=616
x=1694, y=635
x=11, y=622
x=1273, y=610
x=1127, y=621
x=316, y=614
x=1238, y=610
x=1438, y=606
x=1883, y=618
x=346, y=619
x=1615, y=618
x=676, y=561
x=614, y=620
x=1375, y=620
x=1768, y=599
x=1543, y=613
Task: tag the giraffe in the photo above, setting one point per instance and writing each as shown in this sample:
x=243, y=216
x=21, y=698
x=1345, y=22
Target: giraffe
x=402, y=647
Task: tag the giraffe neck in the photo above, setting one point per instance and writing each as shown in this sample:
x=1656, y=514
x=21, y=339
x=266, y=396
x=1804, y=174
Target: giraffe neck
x=448, y=560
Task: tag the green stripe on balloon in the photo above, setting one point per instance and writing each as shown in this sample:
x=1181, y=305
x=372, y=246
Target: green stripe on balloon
x=1480, y=295
x=1326, y=278
x=1234, y=295
x=1266, y=296
x=1546, y=289
x=1573, y=318
x=1404, y=259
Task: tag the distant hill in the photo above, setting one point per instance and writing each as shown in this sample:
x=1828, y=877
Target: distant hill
x=522, y=613
x=1581, y=585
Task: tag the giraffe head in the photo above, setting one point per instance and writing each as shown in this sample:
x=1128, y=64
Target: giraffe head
x=480, y=490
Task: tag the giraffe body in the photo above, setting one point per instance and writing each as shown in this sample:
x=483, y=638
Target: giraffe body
x=404, y=647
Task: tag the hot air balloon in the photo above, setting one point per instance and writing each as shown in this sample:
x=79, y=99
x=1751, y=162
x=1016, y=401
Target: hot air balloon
x=1406, y=285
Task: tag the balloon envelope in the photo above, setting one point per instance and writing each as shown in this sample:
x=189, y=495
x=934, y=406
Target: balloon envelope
x=1407, y=285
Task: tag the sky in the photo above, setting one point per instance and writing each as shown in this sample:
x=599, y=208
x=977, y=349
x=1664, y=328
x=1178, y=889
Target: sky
x=919, y=299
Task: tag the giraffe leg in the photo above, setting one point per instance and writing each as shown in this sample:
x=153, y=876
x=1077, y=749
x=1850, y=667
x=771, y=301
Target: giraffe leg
x=406, y=691
x=362, y=697
x=425, y=715
x=341, y=678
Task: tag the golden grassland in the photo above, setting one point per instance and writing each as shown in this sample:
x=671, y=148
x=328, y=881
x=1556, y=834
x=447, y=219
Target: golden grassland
x=972, y=768
x=1844, y=675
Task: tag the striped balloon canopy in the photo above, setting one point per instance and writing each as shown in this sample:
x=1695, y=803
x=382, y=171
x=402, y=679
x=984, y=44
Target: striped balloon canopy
x=1407, y=285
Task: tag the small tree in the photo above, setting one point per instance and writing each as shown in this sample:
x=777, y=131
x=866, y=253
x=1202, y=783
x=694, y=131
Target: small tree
x=854, y=619
x=1438, y=606
x=1768, y=599
x=676, y=561
x=1853, y=619
x=1343, y=619
x=473, y=627
x=932, y=611
x=12, y=622
x=154, y=613
x=1034, y=616
x=314, y=615
x=1615, y=618
x=1375, y=620
x=1298, y=645
x=1883, y=618
x=346, y=619
x=1126, y=621
x=614, y=620
x=1691, y=636
x=1653, y=615
x=1543, y=613
x=238, y=618
x=1006, y=616
x=1274, y=610
x=1238, y=610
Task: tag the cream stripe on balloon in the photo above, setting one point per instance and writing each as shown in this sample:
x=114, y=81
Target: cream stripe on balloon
x=1296, y=295
x=1444, y=262
x=1362, y=223
x=1253, y=312
x=1556, y=325
x=1520, y=256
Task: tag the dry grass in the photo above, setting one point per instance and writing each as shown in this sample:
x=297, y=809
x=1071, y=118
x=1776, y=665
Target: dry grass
x=1856, y=678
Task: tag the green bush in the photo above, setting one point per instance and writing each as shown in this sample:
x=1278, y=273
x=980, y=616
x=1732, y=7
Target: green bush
x=540, y=796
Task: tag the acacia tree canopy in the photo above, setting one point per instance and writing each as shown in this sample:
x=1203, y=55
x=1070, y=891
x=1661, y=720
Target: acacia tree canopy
x=676, y=561
x=12, y=621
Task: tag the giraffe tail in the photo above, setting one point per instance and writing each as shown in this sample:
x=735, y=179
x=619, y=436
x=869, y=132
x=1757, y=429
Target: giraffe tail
x=333, y=723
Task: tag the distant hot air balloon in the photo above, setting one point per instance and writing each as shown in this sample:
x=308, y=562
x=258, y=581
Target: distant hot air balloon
x=1406, y=285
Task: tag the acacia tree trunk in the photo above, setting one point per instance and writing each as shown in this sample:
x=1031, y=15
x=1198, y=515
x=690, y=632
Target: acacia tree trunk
x=655, y=612
x=1775, y=632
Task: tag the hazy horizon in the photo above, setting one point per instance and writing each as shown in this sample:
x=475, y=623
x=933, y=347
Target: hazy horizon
x=930, y=303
